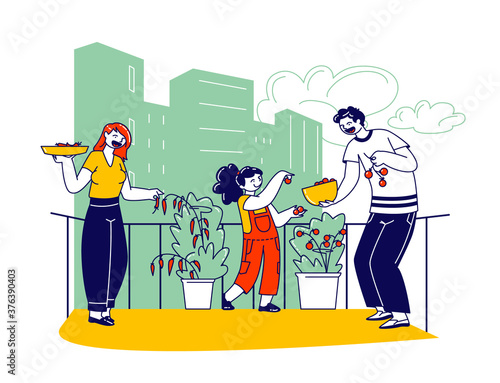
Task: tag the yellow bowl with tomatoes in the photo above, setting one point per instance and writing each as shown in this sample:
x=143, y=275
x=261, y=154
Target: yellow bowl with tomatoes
x=321, y=191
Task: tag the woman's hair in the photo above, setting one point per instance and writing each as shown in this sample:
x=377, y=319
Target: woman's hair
x=229, y=179
x=351, y=112
x=118, y=127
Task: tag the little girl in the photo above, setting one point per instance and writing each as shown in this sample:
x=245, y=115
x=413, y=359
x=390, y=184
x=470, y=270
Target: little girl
x=259, y=219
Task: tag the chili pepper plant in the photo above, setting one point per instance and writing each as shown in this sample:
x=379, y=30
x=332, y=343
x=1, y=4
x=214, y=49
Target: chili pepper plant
x=198, y=250
x=319, y=245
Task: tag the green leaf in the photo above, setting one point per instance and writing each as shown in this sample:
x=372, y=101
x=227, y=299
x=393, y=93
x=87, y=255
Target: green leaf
x=312, y=259
x=305, y=265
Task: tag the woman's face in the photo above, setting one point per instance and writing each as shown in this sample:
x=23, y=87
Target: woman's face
x=253, y=183
x=115, y=139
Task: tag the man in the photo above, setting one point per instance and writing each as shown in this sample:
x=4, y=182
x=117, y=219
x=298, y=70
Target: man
x=388, y=165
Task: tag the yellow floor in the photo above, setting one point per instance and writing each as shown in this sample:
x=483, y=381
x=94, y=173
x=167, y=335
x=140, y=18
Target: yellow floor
x=203, y=330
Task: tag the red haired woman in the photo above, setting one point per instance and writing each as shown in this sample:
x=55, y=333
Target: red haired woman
x=104, y=248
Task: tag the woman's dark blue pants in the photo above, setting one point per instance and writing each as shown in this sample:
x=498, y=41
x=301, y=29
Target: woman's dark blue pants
x=104, y=253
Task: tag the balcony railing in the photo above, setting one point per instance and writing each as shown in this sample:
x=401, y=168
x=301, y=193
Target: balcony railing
x=128, y=227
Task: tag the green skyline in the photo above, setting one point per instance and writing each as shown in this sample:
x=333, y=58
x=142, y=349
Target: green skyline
x=179, y=148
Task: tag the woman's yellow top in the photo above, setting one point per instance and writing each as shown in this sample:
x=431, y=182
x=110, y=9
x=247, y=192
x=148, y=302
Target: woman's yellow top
x=107, y=181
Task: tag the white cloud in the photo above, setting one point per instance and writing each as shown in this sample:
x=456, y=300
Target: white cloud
x=426, y=118
x=320, y=93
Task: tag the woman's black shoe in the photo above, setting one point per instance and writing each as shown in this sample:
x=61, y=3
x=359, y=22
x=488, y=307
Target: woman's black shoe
x=102, y=321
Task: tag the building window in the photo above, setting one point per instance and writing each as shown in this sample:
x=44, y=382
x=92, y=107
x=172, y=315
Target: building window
x=131, y=126
x=131, y=78
x=131, y=176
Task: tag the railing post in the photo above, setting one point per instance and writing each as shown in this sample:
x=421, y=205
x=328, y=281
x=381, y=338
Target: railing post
x=222, y=278
x=284, y=266
x=159, y=271
x=426, y=274
x=129, y=266
x=67, y=267
x=346, y=267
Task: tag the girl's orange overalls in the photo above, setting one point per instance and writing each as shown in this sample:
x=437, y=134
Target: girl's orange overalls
x=260, y=238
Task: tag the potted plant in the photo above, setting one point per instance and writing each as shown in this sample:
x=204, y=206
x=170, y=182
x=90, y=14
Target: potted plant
x=199, y=252
x=319, y=247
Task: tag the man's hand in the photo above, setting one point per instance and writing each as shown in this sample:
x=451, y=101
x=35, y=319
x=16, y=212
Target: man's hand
x=326, y=203
x=380, y=158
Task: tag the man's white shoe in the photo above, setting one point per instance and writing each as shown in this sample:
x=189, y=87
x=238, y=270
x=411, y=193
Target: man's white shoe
x=393, y=323
x=380, y=315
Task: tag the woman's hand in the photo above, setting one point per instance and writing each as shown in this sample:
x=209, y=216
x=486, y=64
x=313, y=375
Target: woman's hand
x=63, y=159
x=155, y=193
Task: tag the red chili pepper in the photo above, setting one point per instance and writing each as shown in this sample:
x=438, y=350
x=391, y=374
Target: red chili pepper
x=180, y=265
x=192, y=226
x=175, y=202
x=195, y=238
x=161, y=263
x=170, y=265
x=68, y=144
x=157, y=203
x=206, y=233
x=206, y=221
x=179, y=205
x=152, y=269
x=164, y=206
x=191, y=275
x=197, y=265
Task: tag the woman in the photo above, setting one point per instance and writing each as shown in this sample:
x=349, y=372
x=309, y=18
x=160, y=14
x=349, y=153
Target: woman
x=259, y=219
x=104, y=248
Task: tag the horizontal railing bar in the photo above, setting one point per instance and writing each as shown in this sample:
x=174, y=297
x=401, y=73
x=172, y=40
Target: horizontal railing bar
x=234, y=223
x=67, y=216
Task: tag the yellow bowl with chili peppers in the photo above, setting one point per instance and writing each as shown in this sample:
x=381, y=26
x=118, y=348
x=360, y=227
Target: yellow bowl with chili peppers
x=321, y=191
x=64, y=150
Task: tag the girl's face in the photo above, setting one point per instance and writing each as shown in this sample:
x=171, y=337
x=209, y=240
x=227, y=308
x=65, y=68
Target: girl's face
x=115, y=139
x=253, y=184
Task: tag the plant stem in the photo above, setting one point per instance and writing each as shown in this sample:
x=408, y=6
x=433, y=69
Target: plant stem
x=319, y=248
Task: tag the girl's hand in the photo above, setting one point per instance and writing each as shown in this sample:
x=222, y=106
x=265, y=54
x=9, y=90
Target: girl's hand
x=291, y=212
x=285, y=175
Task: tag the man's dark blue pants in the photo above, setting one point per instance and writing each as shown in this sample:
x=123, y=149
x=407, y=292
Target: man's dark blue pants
x=379, y=253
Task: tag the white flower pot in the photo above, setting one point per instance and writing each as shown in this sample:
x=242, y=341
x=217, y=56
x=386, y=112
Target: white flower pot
x=197, y=293
x=318, y=290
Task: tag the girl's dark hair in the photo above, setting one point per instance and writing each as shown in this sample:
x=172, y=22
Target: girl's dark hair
x=354, y=113
x=229, y=179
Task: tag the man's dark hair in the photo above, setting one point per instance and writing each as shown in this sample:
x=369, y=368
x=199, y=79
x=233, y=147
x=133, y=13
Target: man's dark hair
x=351, y=112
